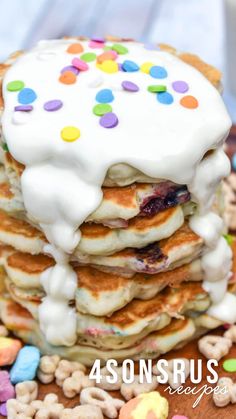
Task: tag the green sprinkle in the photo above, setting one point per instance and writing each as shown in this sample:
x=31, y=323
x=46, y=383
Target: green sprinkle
x=4, y=147
x=15, y=86
x=230, y=365
x=229, y=239
x=120, y=49
x=157, y=88
x=107, y=48
x=88, y=57
x=101, y=109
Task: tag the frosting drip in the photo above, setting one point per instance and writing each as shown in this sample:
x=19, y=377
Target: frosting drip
x=61, y=184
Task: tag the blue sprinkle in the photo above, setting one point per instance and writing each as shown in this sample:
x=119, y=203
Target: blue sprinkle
x=130, y=66
x=165, y=98
x=26, y=96
x=104, y=96
x=234, y=162
x=26, y=364
x=158, y=72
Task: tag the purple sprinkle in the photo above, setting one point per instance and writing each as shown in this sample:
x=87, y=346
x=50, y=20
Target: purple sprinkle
x=128, y=85
x=70, y=68
x=23, y=108
x=53, y=105
x=109, y=120
x=120, y=67
x=97, y=39
x=3, y=409
x=180, y=86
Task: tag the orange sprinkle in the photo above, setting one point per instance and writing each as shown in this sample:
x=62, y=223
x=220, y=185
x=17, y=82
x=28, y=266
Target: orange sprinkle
x=108, y=55
x=67, y=77
x=189, y=102
x=75, y=48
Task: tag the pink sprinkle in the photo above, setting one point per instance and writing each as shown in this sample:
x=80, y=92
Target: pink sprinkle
x=114, y=53
x=179, y=417
x=81, y=65
x=95, y=44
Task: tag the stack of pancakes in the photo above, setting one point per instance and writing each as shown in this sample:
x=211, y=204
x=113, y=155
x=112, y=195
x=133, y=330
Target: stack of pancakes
x=138, y=265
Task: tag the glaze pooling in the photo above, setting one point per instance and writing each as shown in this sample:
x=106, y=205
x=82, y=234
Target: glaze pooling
x=62, y=181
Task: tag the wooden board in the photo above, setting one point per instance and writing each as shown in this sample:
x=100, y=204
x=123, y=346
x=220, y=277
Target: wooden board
x=179, y=404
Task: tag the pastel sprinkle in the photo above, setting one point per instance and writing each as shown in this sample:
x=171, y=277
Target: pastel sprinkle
x=234, y=161
x=156, y=88
x=180, y=86
x=145, y=67
x=229, y=238
x=70, y=68
x=15, y=86
x=130, y=86
x=23, y=108
x=79, y=64
x=26, y=96
x=165, y=98
x=109, y=120
x=189, y=102
x=88, y=57
x=76, y=48
x=158, y=72
x=70, y=134
x=229, y=365
x=101, y=109
x=68, y=77
x=120, y=49
x=130, y=66
x=3, y=409
x=108, y=66
x=95, y=44
x=104, y=96
x=107, y=55
x=53, y=105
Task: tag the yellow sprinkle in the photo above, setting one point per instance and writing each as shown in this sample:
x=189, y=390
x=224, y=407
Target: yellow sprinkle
x=145, y=67
x=108, y=66
x=70, y=134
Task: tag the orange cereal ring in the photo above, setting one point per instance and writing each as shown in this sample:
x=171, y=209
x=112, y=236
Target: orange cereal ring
x=76, y=48
x=189, y=102
x=67, y=77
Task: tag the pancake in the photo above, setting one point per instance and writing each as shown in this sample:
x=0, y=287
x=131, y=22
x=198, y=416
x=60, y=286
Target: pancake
x=101, y=293
x=98, y=293
x=24, y=269
x=175, y=335
x=133, y=322
x=122, y=204
x=139, y=318
x=20, y=234
x=141, y=231
x=182, y=247
x=118, y=204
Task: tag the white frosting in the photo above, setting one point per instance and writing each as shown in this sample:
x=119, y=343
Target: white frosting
x=62, y=181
